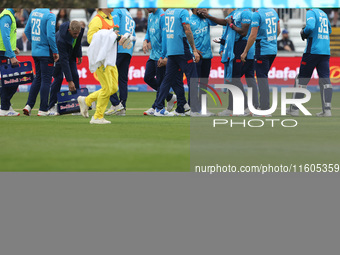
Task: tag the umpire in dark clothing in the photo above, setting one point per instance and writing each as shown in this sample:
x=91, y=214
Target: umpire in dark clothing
x=68, y=40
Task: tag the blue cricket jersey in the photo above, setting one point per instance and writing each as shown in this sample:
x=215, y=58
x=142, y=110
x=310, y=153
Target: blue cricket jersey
x=240, y=16
x=40, y=31
x=5, y=29
x=267, y=21
x=243, y=16
x=122, y=18
x=201, y=31
x=176, y=39
x=154, y=33
x=318, y=29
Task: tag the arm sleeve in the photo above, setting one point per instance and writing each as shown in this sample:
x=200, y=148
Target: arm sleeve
x=79, y=53
x=310, y=25
x=51, y=33
x=163, y=27
x=185, y=17
x=246, y=17
x=64, y=60
x=94, y=26
x=255, y=20
x=5, y=27
x=147, y=35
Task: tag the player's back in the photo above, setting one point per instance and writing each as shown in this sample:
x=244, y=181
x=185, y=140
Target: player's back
x=155, y=30
x=40, y=29
x=267, y=20
x=123, y=18
x=318, y=28
x=175, y=36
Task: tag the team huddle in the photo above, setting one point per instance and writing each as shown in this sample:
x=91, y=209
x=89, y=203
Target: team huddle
x=178, y=44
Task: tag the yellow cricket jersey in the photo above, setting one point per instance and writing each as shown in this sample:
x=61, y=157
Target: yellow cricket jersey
x=100, y=21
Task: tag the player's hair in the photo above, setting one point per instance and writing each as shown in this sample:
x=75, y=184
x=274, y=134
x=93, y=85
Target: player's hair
x=75, y=25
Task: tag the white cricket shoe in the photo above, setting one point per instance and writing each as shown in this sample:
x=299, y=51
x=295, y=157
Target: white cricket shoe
x=27, y=110
x=150, y=111
x=84, y=109
x=121, y=112
x=12, y=112
x=162, y=113
x=175, y=113
x=99, y=121
x=226, y=112
x=114, y=109
x=8, y=113
x=170, y=105
x=53, y=111
x=42, y=113
x=326, y=113
x=247, y=112
x=187, y=109
x=290, y=111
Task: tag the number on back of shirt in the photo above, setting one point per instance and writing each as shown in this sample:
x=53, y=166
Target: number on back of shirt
x=169, y=22
x=323, y=28
x=271, y=25
x=129, y=24
x=36, y=26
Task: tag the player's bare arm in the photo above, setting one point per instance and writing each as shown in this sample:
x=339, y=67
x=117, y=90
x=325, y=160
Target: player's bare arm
x=250, y=42
x=191, y=41
x=222, y=22
x=243, y=30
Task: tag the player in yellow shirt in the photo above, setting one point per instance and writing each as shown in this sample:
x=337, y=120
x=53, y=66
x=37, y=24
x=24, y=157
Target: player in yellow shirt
x=107, y=76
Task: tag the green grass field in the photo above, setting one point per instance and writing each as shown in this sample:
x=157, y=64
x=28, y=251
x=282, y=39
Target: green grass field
x=145, y=143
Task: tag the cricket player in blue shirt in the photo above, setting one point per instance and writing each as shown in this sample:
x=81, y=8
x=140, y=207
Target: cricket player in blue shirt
x=265, y=28
x=200, y=27
x=40, y=31
x=178, y=34
x=122, y=18
x=155, y=39
x=239, y=20
x=8, y=49
x=316, y=55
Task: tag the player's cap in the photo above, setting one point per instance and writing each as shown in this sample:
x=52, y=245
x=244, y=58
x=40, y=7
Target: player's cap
x=285, y=31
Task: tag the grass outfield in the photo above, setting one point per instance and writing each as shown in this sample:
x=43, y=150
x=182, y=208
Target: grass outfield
x=69, y=143
x=145, y=143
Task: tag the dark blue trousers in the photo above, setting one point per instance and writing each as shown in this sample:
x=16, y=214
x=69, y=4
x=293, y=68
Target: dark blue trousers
x=248, y=72
x=6, y=93
x=123, y=63
x=203, y=71
x=186, y=65
x=262, y=67
x=237, y=72
x=321, y=62
x=151, y=70
x=58, y=79
x=44, y=67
